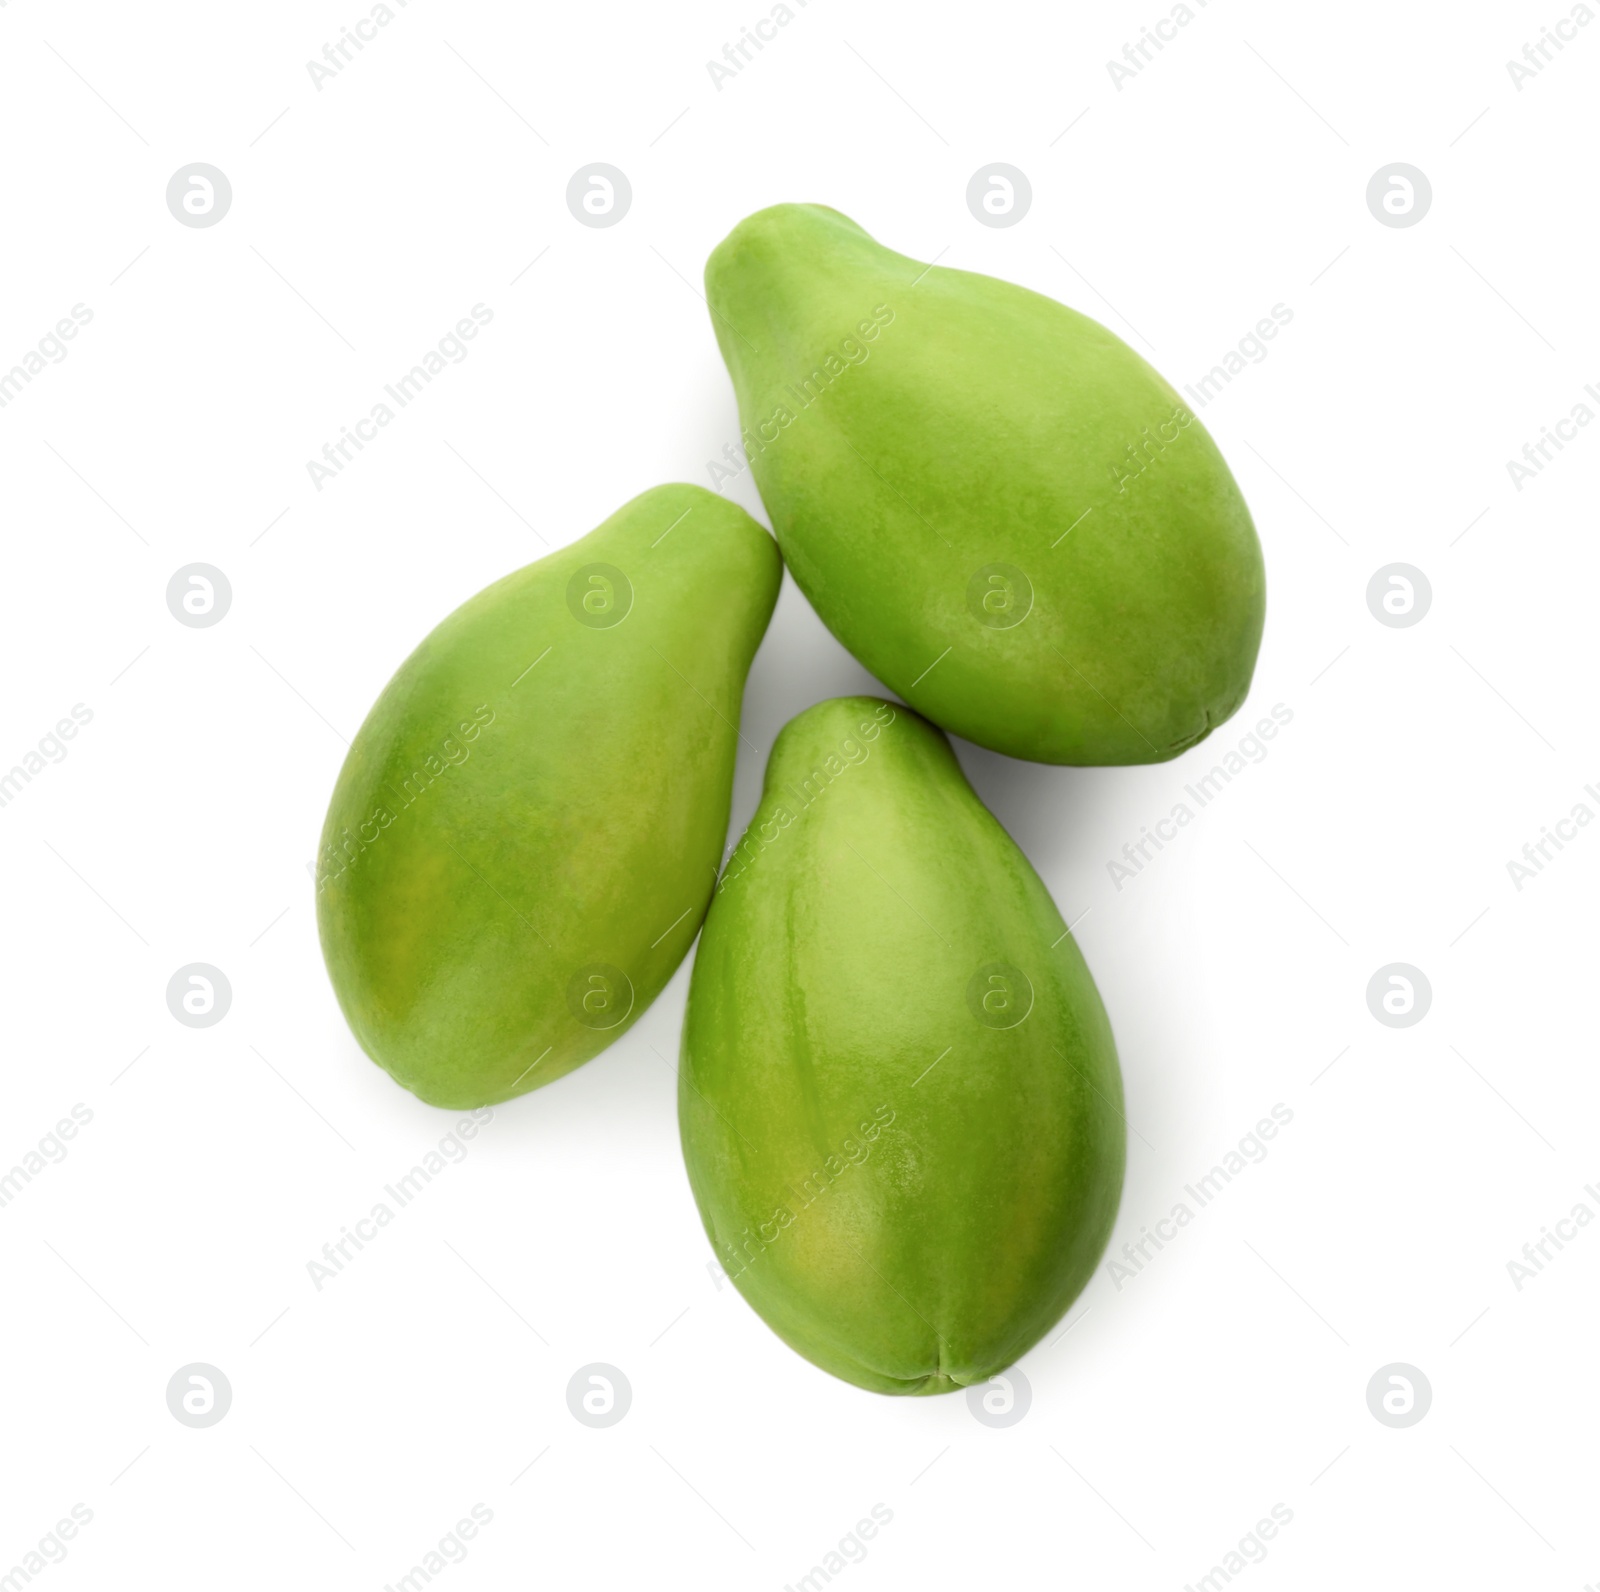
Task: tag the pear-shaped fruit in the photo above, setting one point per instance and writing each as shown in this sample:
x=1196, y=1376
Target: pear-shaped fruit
x=899, y=1096
x=992, y=501
x=526, y=831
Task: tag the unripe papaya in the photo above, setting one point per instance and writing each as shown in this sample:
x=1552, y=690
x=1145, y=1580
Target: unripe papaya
x=899, y=1097
x=526, y=831
x=990, y=499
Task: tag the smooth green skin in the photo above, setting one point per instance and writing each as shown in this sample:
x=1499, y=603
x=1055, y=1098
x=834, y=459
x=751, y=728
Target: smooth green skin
x=976, y=1169
x=581, y=824
x=966, y=421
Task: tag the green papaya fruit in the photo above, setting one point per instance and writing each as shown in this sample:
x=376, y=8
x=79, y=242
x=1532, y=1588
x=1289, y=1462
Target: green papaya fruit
x=899, y=1097
x=526, y=831
x=991, y=500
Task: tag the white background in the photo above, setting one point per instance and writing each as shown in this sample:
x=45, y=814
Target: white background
x=367, y=218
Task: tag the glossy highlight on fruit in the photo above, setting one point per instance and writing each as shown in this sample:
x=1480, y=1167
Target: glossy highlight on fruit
x=1003, y=511
x=525, y=834
x=899, y=1097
